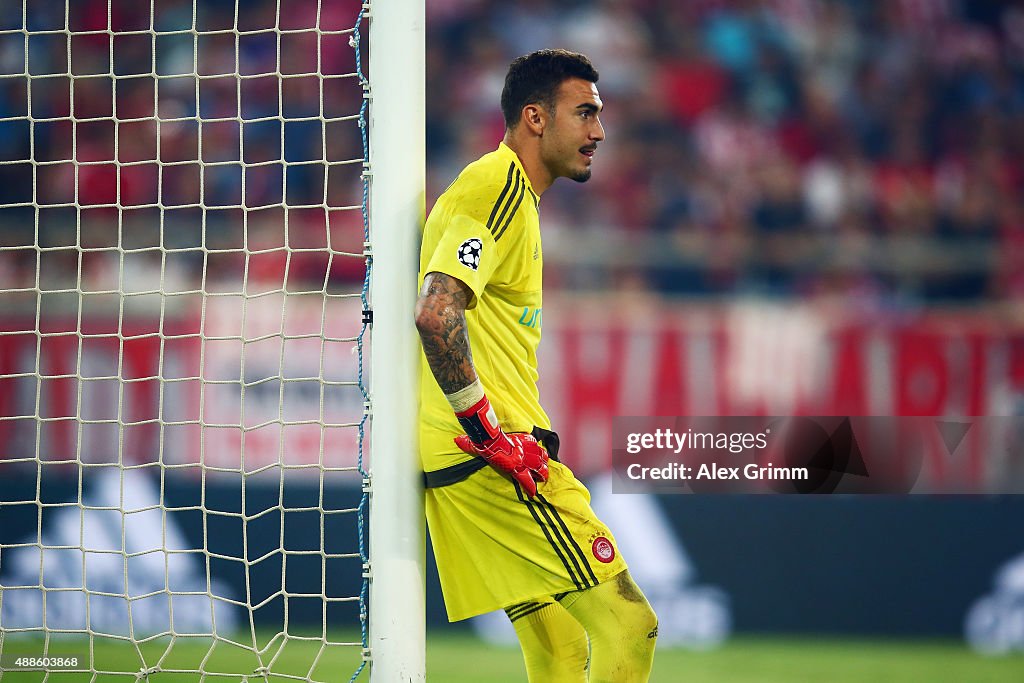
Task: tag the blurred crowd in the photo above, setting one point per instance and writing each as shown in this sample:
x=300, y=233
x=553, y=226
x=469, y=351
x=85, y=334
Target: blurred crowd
x=232, y=152
x=771, y=147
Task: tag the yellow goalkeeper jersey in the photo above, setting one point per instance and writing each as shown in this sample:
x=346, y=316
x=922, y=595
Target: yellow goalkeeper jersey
x=485, y=231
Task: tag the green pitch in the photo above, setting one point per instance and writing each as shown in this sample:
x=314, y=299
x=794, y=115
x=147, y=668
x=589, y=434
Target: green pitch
x=457, y=658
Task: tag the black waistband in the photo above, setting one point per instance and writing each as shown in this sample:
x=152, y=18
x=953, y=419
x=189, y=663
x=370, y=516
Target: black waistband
x=453, y=473
x=456, y=473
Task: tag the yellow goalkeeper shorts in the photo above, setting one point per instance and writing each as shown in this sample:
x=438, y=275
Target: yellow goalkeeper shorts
x=495, y=547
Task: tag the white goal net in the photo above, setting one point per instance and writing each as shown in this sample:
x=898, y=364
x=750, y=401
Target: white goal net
x=183, y=309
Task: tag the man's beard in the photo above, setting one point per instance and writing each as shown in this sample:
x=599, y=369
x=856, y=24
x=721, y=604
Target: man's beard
x=581, y=177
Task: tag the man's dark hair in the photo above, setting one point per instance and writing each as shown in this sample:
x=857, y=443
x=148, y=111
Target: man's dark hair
x=534, y=79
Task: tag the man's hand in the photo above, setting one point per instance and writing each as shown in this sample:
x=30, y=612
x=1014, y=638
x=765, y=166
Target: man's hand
x=516, y=455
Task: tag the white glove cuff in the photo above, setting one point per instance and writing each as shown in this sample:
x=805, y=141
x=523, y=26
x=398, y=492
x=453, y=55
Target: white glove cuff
x=466, y=397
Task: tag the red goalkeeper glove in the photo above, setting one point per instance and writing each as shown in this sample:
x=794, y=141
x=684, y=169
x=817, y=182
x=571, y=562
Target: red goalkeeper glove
x=516, y=455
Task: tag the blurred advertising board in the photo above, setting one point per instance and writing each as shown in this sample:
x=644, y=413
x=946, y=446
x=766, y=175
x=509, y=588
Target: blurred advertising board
x=767, y=360
x=282, y=379
x=237, y=385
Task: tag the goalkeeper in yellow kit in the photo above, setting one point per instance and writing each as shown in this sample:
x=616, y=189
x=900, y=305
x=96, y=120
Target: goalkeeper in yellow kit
x=512, y=528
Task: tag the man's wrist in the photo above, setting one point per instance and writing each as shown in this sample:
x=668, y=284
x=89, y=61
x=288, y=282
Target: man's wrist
x=466, y=397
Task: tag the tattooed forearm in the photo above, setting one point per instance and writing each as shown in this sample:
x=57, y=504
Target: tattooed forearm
x=441, y=321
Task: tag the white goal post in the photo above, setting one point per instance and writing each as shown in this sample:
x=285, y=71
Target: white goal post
x=397, y=205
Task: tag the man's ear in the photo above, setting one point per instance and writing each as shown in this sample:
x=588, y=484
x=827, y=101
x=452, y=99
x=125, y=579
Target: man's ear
x=534, y=118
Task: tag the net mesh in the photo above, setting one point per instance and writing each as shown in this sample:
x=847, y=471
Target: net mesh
x=182, y=278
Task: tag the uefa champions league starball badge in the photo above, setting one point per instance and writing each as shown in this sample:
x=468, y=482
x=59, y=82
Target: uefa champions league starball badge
x=469, y=253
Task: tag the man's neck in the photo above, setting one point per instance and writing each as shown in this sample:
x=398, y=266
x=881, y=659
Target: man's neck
x=528, y=151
